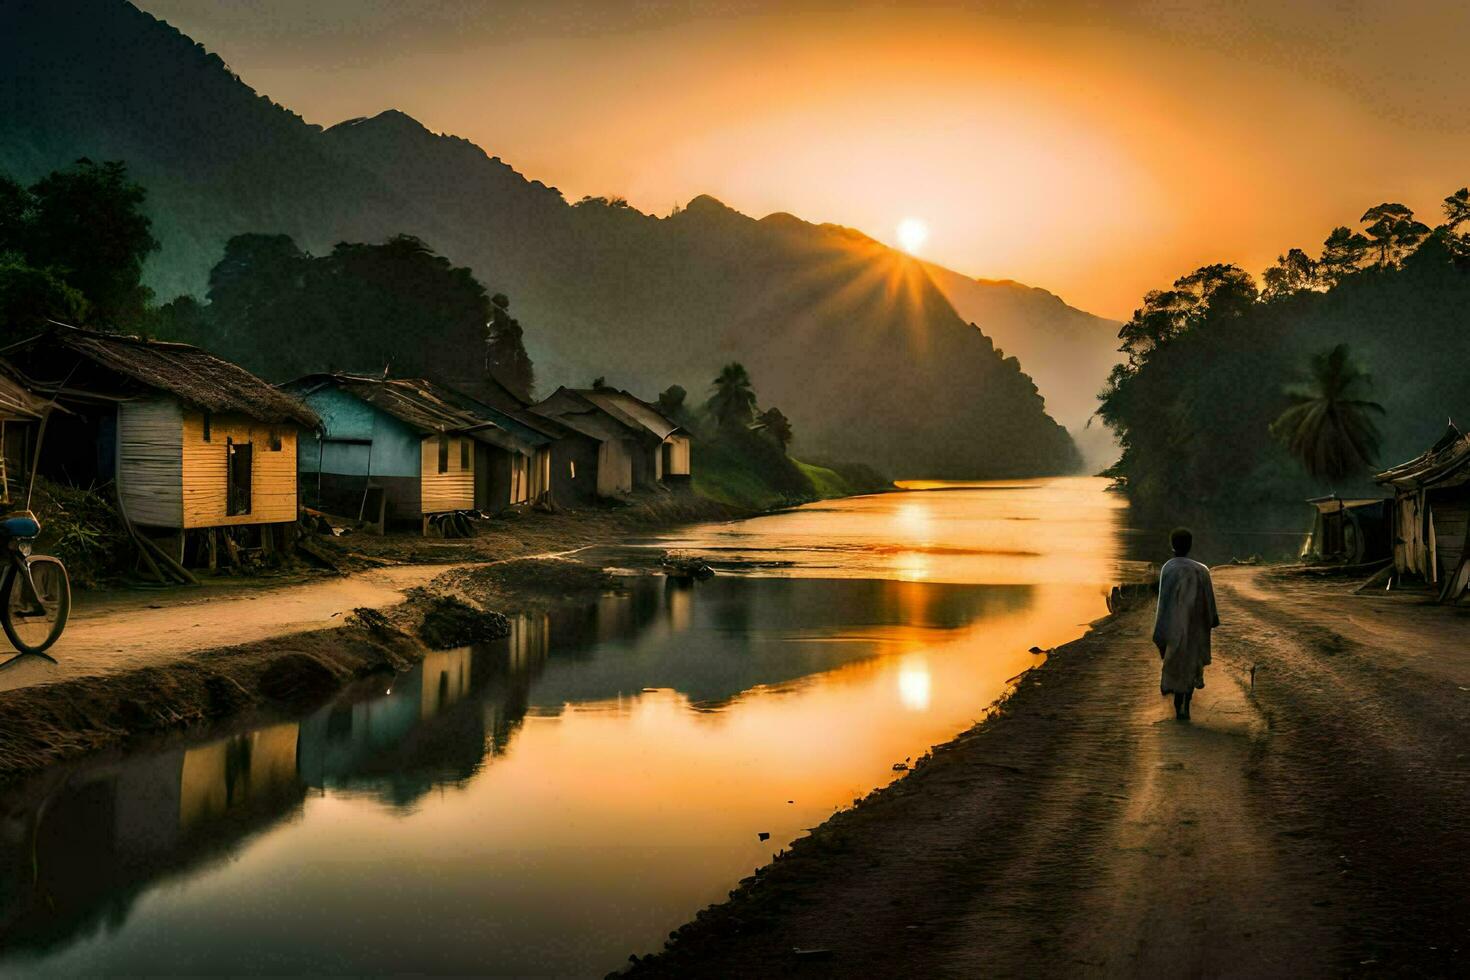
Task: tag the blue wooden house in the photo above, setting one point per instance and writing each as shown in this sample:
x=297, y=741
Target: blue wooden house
x=414, y=446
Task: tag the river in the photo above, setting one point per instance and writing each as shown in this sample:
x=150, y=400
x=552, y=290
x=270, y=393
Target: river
x=556, y=801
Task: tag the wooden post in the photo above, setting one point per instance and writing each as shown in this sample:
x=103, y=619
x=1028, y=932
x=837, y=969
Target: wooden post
x=211, y=543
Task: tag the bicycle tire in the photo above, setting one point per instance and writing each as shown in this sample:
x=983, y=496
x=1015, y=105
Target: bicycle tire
x=63, y=607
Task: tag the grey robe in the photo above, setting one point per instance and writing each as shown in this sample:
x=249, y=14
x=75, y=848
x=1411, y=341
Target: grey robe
x=1183, y=623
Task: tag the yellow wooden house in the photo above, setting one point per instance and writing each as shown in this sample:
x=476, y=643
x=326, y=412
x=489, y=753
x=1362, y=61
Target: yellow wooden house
x=190, y=440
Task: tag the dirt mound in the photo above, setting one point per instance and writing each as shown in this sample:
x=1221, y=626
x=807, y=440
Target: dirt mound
x=296, y=680
x=449, y=622
x=543, y=576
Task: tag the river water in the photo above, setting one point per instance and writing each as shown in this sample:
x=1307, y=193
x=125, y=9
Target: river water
x=556, y=801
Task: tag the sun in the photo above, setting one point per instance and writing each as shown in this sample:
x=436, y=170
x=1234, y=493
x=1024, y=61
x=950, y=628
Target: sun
x=912, y=234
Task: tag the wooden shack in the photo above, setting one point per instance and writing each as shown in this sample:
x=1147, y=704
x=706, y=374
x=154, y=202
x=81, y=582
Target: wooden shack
x=625, y=449
x=191, y=441
x=1350, y=531
x=572, y=455
x=407, y=450
x=670, y=445
x=1431, y=515
x=21, y=413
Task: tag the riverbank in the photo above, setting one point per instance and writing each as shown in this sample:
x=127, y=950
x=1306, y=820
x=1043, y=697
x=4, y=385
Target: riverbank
x=1313, y=818
x=147, y=664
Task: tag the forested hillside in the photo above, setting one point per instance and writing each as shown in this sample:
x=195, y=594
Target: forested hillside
x=850, y=338
x=1215, y=360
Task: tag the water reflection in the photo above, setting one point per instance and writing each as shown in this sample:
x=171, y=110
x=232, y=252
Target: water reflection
x=546, y=803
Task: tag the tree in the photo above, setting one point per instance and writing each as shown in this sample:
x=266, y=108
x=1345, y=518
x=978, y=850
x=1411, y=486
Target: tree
x=1457, y=209
x=1329, y=427
x=777, y=426
x=505, y=350
x=86, y=225
x=1392, y=231
x=1342, y=254
x=256, y=298
x=30, y=296
x=1292, y=273
x=1212, y=291
x=672, y=405
x=733, y=401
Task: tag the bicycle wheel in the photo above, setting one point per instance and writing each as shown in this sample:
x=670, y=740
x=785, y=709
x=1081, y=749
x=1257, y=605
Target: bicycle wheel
x=32, y=628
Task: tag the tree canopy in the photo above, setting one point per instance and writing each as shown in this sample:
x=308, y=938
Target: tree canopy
x=73, y=244
x=1211, y=410
x=396, y=306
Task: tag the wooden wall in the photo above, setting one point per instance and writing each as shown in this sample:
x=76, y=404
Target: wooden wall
x=452, y=490
x=206, y=470
x=150, y=461
x=678, y=456
x=614, y=468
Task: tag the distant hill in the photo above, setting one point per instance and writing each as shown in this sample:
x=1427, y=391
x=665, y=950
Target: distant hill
x=1068, y=352
x=854, y=341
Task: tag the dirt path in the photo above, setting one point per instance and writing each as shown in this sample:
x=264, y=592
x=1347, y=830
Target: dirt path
x=114, y=634
x=1317, y=824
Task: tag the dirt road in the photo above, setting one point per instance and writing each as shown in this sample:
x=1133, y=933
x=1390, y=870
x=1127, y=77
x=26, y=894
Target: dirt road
x=1316, y=824
x=109, y=634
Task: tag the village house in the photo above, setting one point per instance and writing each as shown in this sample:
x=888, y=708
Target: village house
x=671, y=457
x=20, y=426
x=637, y=446
x=1350, y=531
x=573, y=455
x=408, y=450
x=1431, y=515
x=197, y=447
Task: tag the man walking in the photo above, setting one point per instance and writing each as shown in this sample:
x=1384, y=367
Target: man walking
x=1182, y=626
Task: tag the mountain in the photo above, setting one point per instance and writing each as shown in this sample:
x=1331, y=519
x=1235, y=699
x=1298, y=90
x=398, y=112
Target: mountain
x=1067, y=351
x=854, y=341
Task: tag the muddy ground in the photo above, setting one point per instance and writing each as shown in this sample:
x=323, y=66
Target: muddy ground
x=1316, y=823
x=109, y=698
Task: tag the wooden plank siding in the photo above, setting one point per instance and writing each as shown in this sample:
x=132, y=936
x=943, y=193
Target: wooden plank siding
x=150, y=463
x=455, y=488
x=206, y=470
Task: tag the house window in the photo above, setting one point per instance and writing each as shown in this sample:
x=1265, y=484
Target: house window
x=464, y=454
x=443, y=454
x=206, y=426
x=274, y=442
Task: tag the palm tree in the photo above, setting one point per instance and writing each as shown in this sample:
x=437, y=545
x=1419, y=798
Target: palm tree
x=1329, y=427
x=733, y=402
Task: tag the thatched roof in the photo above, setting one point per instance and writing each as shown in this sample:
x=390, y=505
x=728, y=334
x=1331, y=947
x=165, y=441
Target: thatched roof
x=194, y=376
x=426, y=407
x=1445, y=464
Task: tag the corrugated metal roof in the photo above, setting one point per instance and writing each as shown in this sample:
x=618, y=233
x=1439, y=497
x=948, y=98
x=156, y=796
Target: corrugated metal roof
x=1445, y=464
x=625, y=405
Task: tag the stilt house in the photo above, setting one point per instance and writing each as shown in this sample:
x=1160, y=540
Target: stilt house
x=20, y=417
x=405, y=450
x=192, y=441
x=1431, y=514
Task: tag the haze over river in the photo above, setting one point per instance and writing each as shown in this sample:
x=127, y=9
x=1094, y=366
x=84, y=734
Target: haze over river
x=553, y=802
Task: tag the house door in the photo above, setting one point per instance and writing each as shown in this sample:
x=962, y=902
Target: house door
x=237, y=498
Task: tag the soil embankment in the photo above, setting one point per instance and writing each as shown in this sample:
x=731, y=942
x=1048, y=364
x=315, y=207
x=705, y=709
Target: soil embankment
x=193, y=659
x=1314, y=823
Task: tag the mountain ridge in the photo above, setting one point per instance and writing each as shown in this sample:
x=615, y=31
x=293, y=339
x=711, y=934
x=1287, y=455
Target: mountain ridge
x=852, y=339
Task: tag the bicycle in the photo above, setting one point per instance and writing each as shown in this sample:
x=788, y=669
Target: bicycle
x=33, y=613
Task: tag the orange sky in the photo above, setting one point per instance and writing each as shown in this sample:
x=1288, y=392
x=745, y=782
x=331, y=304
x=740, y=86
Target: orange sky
x=1095, y=149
